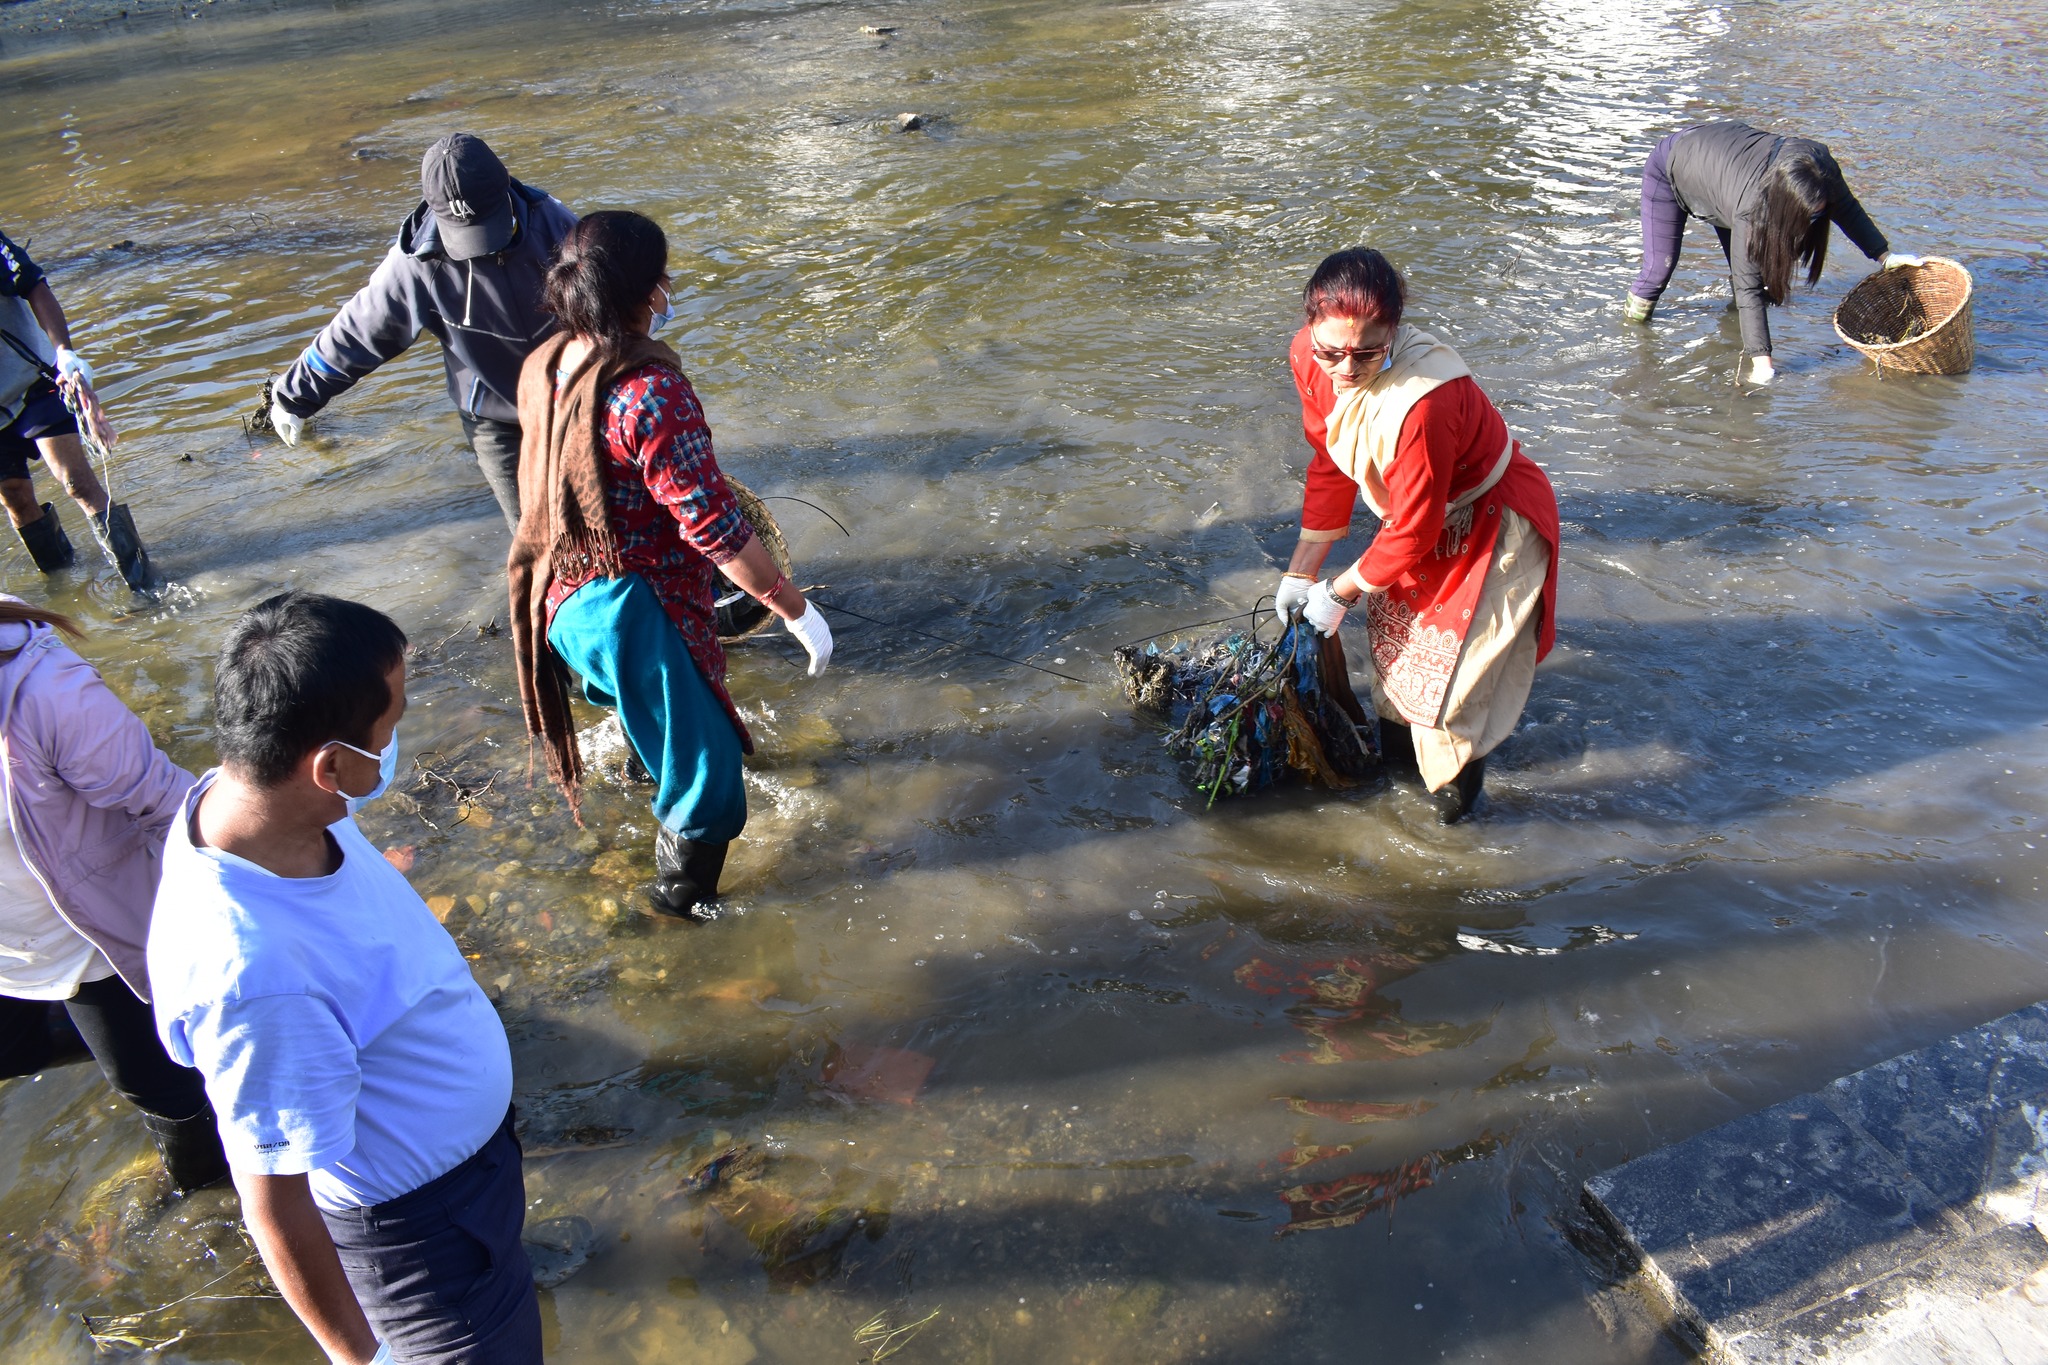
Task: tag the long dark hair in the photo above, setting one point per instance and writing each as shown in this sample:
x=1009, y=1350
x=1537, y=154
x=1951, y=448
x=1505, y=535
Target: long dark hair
x=1798, y=197
x=602, y=274
x=11, y=612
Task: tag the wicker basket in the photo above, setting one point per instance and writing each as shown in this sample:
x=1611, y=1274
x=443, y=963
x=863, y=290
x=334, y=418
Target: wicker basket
x=738, y=614
x=1914, y=318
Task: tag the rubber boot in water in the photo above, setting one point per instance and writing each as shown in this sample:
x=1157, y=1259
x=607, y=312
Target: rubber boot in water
x=114, y=529
x=1397, y=747
x=190, y=1149
x=685, y=875
x=1455, y=799
x=47, y=544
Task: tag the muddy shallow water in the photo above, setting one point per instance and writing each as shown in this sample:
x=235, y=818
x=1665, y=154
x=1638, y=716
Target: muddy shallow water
x=1025, y=1056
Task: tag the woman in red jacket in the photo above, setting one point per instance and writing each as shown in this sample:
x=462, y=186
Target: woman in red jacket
x=1460, y=584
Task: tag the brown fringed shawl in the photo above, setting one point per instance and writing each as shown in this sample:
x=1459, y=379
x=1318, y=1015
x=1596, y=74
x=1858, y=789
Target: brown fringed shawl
x=564, y=524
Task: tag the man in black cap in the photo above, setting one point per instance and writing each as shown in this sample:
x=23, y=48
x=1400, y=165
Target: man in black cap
x=467, y=266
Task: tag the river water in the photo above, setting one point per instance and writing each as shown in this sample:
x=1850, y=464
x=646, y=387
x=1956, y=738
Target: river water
x=1024, y=1055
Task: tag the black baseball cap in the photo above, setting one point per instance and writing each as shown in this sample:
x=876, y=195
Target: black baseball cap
x=470, y=194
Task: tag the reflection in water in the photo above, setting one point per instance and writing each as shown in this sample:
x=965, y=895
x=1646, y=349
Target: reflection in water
x=1344, y=1201
x=989, y=979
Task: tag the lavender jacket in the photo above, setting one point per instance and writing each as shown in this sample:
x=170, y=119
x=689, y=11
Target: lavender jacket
x=90, y=797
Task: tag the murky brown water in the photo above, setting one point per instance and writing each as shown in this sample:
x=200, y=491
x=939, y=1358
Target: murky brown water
x=1035, y=1053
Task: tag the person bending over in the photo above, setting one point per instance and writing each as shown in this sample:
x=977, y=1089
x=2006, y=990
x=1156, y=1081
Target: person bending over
x=1460, y=583
x=626, y=525
x=1771, y=200
x=467, y=266
x=362, y=1080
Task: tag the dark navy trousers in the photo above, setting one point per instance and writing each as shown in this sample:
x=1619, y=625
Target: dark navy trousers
x=440, y=1272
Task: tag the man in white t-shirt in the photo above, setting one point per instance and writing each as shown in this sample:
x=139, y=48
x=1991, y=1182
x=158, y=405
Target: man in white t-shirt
x=362, y=1081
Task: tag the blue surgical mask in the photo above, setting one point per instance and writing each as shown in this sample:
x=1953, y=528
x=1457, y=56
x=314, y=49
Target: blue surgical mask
x=665, y=316
x=387, y=768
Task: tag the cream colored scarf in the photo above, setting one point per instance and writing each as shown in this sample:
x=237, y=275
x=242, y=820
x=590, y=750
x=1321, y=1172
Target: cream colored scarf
x=1365, y=427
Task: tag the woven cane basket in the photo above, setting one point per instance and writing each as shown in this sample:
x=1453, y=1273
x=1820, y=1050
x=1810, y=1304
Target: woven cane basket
x=738, y=614
x=1914, y=318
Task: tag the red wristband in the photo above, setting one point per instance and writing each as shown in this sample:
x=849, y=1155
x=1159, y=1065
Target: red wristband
x=781, y=582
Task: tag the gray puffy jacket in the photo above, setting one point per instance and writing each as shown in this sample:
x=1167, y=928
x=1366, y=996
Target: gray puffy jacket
x=485, y=313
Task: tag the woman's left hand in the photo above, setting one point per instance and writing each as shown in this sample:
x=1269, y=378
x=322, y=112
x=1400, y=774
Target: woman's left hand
x=1324, y=609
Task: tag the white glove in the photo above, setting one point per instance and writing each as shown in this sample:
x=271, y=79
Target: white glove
x=1322, y=608
x=287, y=424
x=814, y=635
x=1638, y=309
x=71, y=367
x=1761, y=371
x=1292, y=592
x=1893, y=260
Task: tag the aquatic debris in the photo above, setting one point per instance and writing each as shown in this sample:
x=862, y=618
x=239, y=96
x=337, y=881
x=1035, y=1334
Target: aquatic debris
x=135, y=1332
x=797, y=1215
x=257, y=422
x=1344, y=1201
x=883, y=1340
x=891, y=1074
x=1341, y=1202
x=1591, y=936
x=909, y=122
x=743, y=1161
x=1245, y=713
x=1356, y=1111
x=558, y=1247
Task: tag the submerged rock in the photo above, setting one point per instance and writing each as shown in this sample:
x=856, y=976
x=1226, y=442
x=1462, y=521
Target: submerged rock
x=558, y=1247
x=908, y=122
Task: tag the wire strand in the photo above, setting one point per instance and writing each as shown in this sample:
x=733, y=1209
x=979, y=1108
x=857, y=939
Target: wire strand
x=946, y=640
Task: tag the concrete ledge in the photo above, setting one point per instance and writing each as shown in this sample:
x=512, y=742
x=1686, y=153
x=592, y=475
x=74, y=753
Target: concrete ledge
x=1890, y=1216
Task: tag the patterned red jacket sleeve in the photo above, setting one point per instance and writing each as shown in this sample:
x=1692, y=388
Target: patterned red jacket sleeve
x=673, y=446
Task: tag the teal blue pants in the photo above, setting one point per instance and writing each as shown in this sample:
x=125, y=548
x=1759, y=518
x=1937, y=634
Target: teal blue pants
x=632, y=659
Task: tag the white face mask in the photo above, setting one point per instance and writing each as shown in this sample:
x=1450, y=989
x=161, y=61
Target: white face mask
x=387, y=768
x=665, y=316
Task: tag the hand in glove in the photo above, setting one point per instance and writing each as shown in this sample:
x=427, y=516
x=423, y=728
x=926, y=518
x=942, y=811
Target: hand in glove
x=1760, y=370
x=1292, y=592
x=286, y=423
x=814, y=635
x=71, y=368
x=74, y=381
x=1894, y=260
x=1324, y=609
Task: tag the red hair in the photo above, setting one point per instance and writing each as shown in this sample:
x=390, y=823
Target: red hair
x=1356, y=282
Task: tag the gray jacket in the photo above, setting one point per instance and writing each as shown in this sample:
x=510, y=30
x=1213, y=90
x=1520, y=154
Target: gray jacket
x=485, y=313
x=1718, y=170
x=26, y=354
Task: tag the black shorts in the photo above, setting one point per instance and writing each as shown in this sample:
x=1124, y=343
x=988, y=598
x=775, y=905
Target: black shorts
x=42, y=414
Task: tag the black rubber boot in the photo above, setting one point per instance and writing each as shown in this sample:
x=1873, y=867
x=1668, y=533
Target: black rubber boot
x=190, y=1149
x=114, y=529
x=1397, y=747
x=1455, y=799
x=47, y=544
x=685, y=875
